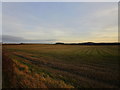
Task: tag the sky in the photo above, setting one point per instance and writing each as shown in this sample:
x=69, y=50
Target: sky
x=68, y=22
x=0, y=22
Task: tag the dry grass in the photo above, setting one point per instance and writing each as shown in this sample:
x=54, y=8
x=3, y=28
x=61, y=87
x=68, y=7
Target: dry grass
x=26, y=79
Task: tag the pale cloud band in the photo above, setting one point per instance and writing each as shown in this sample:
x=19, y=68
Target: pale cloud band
x=14, y=39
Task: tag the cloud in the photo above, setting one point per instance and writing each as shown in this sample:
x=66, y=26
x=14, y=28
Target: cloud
x=7, y=38
x=14, y=39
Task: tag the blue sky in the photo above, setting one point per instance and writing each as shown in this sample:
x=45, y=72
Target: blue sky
x=51, y=22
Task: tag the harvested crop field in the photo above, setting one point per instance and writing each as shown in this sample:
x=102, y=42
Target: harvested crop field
x=61, y=66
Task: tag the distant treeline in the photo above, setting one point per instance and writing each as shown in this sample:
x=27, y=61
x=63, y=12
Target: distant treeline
x=60, y=43
x=89, y=43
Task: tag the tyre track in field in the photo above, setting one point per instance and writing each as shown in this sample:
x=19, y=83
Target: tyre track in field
x=107, y=54
x=111, y=51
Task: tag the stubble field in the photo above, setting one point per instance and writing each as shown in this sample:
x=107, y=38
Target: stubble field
x=60, y=66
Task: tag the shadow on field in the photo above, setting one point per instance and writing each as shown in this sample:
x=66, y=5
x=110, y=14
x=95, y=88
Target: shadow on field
x=7, y=71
